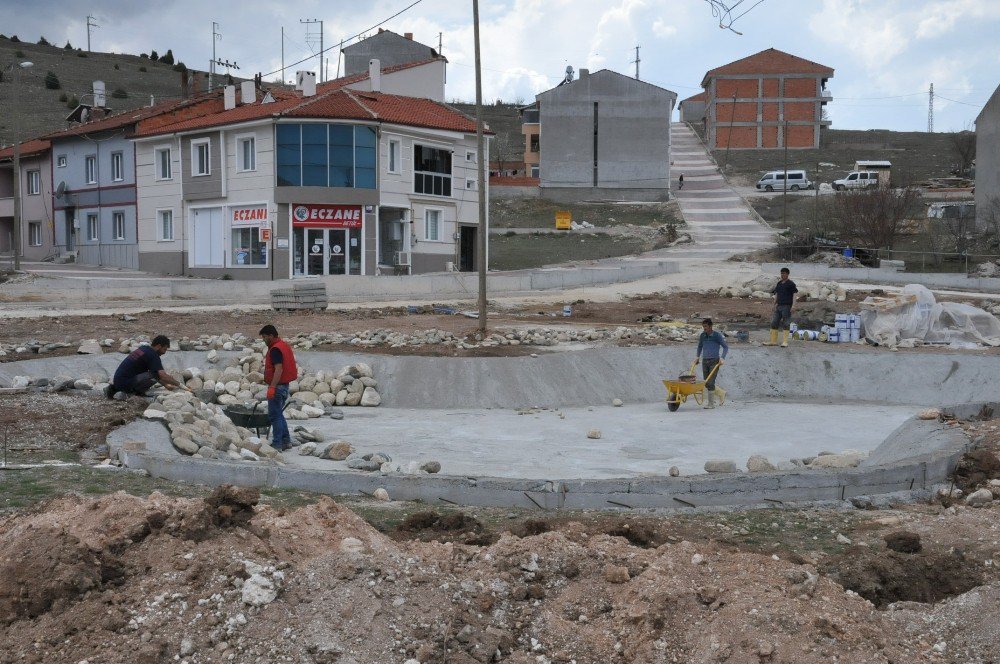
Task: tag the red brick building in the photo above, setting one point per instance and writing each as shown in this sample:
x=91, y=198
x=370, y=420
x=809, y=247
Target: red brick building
x=765, y=101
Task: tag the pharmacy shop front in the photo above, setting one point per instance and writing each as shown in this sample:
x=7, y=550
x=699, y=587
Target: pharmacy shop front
x=326, y=239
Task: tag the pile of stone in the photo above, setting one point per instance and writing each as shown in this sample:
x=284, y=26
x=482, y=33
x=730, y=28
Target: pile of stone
x=760, y=464
x=833, y=259
x=311, y=443
x=760, y=288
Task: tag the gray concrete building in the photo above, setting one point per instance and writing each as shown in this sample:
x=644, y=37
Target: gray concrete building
x=35, y=183
x=988, y=164
x=692, y=109
x=388, y=48
x=605, y=136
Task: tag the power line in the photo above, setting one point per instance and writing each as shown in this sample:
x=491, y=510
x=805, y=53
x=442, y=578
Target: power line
x=955, y=101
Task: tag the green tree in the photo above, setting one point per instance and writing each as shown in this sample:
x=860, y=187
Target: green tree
x=180, y=66
x=68, y=46
x=64, y=97
x=153, y=56
x=73, y=102
x=119, y=93
x=15, y=39
x=168, y=57
x=52, y=81
x=42, y=41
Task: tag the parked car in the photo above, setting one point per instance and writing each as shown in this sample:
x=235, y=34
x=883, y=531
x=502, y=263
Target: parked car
x=776, y=180
x=857, y=180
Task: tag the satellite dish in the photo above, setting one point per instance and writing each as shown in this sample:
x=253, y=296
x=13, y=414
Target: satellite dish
x=61, y=190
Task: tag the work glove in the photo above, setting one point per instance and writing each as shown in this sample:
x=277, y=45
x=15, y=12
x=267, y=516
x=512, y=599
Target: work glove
x=270, y=392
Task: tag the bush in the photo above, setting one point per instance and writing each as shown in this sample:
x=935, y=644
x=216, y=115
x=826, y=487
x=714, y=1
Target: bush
x=168, y=57
x=52, y=81
x=119, y=93
x=153, y=56
x=81, y=53
x=15, y=40
x=72, y=102
x=64, y=97
x=180, y=66
x=143, y=56
x=117, y=67
x=42, y=41
x=68, y=46
x=19, y=53
x=142, y=69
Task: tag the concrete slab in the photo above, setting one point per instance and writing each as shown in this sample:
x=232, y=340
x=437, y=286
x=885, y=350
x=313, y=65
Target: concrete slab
x=636, y=439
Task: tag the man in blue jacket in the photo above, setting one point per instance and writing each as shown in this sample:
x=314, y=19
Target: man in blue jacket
x=712, y=351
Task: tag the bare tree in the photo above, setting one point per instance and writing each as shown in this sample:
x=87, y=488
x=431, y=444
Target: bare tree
x=964, y=146
x=989, y=217
x=505, y=148
x=960, y=222
x=873, y=218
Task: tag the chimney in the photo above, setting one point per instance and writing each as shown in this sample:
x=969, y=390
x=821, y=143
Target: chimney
x=248, y=92
x=305, y=82
x=584, y=73
x=100, y=100
x=408, y=35
x=375, y=74
x=229, y=97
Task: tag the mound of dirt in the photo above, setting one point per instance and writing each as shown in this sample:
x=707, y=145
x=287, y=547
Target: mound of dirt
x=975, y=469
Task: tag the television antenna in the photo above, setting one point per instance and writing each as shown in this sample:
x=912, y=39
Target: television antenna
x=312, y=36
x=90, y=24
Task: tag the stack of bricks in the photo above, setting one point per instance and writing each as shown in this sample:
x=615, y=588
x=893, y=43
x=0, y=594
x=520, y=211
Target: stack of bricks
x=299, y=297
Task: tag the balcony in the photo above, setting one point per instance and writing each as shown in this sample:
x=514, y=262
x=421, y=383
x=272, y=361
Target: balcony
x=825, y=95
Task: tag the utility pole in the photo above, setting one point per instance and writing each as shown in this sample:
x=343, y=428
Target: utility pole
x=282, y=55
x=729, y=137
x=340, y=54
x=216, y=36
x=440, y=35
x=636, y=62
x=90, y=24
x=482, y=160
x=17, y=66
x=784, y=194
x=307, y=22
x=930, y=110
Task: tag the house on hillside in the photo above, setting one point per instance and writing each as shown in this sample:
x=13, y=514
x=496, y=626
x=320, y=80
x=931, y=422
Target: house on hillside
x=692, y=109
x=988, y=163
x=767, y=100
x=606, y=135
x=392, y=50
x=315, y=182
x=35, y=183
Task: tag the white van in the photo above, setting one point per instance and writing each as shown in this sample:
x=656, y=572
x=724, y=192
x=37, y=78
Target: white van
x=857, y=180
x=776, y=180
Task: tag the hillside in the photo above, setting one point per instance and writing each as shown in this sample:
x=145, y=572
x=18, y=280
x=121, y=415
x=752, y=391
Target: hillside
x=40, y=109
x=503, y=119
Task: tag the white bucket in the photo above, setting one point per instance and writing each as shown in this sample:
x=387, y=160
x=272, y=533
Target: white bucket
x=567, y=310
x=808, y=335
x=855, y=335
x=793, y=328
x=833, y=336
x=842, y=318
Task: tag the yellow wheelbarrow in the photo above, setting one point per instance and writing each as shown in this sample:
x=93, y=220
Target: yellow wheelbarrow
x=688, y=385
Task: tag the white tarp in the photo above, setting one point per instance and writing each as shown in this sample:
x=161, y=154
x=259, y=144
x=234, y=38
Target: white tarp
x=913, y=316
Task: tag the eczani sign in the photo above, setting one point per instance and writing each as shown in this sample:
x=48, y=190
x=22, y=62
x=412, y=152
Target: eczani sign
x=308, y=215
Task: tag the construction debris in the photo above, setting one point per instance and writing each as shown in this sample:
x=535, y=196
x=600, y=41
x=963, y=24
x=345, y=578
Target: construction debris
x=913, y=317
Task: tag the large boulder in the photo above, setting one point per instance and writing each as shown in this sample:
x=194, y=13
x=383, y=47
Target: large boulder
x=370, y=397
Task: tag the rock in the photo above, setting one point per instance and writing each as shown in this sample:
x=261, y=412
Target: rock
x=675, y=471
x=187, y=647
x=697, y=559
x=431, y=467
x=843, y=539
x=154, y=414
x=381, y=494
x=353, y=399
x=259, y=590
x=903, y=541
x=83, y=384
x=312, y=411
x=929, y=414
x=339, y=450
x=213, y=356
x=267, y=451
x=306, y=396
x=379, y=457
x=594, y=434
x=358, y=463
x=341, y=398
x=616, y=574
x=721, y=466
x=980, y=498
x=185, y=445
x=759, y=464
x=90, y=347
x=336, y=413
x=247, y=455
x=352, y=545
x=367, y=381
x=370, y=397
x=617, y=403
x=836, y=461
x=306, y=449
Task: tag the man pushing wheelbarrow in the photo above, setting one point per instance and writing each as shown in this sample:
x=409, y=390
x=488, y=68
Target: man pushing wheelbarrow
x=712, y=350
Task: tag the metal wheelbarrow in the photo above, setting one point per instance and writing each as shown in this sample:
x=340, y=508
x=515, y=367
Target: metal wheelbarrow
x=688, y=385
x=252, y=417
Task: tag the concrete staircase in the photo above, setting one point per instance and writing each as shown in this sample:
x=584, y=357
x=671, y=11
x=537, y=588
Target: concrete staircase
x=718, y=220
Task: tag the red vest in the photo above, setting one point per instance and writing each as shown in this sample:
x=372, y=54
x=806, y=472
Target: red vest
x=289, y=371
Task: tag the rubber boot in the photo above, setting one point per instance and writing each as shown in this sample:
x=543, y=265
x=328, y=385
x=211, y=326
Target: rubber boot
x=721, y=393
x=774, y=339
x=710, y=401
x=784, y=338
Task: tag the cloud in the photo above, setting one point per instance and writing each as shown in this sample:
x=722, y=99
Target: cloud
x=662, y=30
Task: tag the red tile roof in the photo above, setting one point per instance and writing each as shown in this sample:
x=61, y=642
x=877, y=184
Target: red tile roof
x=701, y=96
x=770, y=61
x=28, y=149
x=123, y=119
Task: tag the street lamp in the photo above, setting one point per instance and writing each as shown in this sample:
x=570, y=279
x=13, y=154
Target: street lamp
x=17, y=164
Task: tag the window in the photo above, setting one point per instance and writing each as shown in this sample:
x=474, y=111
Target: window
x=201, y=157
x=470, y=184
x=165, y=225
x=246, y=158
x=431, y=171
x=247, y=249
x=326, y=155
x=92, y=229
x=534, y=143
x=470, y=156
x=117, y=167
x=118, y=224
x=35, y=234
x=162, y=158
x=534, y=171
x=90, y=169
x=61, y=161
x=394, y=155
x=432, y=225
x=34, y=183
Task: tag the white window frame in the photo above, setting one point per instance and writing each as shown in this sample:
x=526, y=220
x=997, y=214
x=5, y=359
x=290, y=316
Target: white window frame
x=90, y=168
x=34, y=233
x=394, y=166
x=93, y=232
x=470, y=156
x=471, y=184
x=117, y=166
x=158, y=161
x=440, y=225
x=115, y=218
x=61, y=161
x=195, y=149
x=241, y=166
x=160, y=235
x=33, y=183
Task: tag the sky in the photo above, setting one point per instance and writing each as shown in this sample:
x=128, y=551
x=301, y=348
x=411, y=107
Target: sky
x=885, y=53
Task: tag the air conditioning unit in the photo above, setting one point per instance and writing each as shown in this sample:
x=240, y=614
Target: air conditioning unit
x=402, y=258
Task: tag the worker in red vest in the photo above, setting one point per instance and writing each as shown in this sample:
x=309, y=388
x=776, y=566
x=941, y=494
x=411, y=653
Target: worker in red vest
x=279, y=371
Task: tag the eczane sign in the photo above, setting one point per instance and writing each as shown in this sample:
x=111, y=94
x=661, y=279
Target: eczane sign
x=311, y=215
